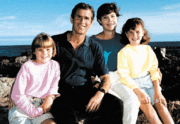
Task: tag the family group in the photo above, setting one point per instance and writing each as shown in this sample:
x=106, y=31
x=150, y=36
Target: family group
x=102, y=79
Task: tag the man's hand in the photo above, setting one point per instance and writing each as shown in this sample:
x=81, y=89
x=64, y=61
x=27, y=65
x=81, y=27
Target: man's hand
x=95, y=102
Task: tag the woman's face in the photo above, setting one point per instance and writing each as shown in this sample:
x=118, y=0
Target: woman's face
x=109, y=21
x=135, y=36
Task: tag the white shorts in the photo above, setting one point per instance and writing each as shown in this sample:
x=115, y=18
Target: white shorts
x=144, y=83
x=17, y=116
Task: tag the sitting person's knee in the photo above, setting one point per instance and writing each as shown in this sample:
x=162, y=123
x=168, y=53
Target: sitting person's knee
x=132, y=102
x=48, y=121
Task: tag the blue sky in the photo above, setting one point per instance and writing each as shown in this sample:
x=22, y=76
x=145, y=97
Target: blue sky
x=22, y=20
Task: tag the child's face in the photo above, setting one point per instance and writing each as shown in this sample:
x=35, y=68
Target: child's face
x=43, y=55
x=135, y=36
x=109, y=21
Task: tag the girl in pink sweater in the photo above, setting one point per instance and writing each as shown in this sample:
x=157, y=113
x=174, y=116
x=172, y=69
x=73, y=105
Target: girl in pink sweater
x=36, y=84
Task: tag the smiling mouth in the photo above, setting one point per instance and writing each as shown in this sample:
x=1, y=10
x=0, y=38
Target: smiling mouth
x=82, y=26
x=110, y=24
x=44, y=57
x=134, y=40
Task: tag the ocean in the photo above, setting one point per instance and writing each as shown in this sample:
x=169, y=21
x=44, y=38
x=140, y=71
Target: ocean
x=14, y=50
x=17, y=50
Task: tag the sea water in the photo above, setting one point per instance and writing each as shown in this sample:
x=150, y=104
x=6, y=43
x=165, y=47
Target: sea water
x=14, y=50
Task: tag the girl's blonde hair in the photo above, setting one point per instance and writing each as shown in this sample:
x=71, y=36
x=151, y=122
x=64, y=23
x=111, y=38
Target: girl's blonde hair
x=42, y=40
x=131, y=25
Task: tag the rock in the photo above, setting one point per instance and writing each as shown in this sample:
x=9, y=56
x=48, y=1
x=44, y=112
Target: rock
x=21, y=59
x=5, y=62
x=5, y=88
x=169, y=64
x=11, y=65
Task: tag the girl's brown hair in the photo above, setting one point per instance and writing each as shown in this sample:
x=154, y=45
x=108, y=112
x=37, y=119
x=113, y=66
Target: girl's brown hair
x=131, y=25
x=42, y=40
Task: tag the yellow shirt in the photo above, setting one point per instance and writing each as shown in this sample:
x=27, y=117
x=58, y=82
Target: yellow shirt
x=136, y=61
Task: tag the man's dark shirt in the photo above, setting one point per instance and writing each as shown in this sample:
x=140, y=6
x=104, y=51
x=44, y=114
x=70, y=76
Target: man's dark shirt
x=77, y=67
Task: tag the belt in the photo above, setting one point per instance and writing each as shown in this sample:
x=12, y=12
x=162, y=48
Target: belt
x=67, y=87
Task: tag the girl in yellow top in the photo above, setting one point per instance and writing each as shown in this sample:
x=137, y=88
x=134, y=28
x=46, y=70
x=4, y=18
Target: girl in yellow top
x=137, y=66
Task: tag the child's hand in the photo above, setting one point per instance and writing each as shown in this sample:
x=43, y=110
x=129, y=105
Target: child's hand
x=143, y=98
x=158, y=95
x=47, y=104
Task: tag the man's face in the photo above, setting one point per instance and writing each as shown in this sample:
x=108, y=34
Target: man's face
x=82, y=21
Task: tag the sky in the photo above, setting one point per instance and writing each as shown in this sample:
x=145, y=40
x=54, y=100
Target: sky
x=22, y=20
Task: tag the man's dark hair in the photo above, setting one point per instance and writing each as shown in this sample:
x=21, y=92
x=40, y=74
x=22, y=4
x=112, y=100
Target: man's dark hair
x=82, y=6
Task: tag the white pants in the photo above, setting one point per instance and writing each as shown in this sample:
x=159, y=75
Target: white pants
x=127, y=95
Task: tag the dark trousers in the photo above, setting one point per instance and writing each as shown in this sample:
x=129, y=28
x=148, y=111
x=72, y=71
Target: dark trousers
x=70, y=107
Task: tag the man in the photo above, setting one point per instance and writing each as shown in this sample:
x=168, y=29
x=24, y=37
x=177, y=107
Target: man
x=79, y=56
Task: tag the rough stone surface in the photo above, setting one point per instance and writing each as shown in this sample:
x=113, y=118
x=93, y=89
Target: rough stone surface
x=169, y=66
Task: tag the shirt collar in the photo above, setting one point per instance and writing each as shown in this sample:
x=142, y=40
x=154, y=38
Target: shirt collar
x=86, y=41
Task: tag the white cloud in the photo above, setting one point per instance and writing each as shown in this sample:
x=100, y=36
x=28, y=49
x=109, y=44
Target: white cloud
x=8, y=18
x=62, y=21
x=171, y=7
x=163, y=23
x=20, y=39
x=156, y=23
x=6, y=25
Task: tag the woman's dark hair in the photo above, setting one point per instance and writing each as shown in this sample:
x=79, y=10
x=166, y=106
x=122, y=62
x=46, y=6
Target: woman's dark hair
x=131, y=25
x=107, y=8
x=82, y=6
x=42, y=40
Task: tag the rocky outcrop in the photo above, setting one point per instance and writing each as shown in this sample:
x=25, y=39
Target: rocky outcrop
x=9, y=66
x=5, y=88
x=169, y=66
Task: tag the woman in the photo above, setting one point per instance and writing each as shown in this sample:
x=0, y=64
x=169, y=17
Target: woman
x=107, y=16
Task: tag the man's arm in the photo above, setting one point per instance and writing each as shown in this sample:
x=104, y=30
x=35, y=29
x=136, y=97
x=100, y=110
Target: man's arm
x=105, y=83
x=95, y=101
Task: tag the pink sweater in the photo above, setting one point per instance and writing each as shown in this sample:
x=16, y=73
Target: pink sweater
x=35, y=80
